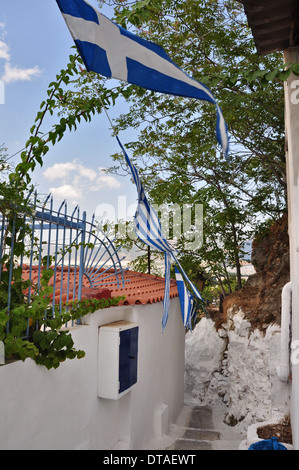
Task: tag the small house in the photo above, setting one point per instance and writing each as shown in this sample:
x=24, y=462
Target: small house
x=125, y=392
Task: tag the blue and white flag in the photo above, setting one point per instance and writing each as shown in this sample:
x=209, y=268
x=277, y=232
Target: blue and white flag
x=148, y=228
x=188, y=306
x=110, y=50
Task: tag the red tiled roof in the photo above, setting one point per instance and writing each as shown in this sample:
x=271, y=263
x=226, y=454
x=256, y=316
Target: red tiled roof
x=139, y=288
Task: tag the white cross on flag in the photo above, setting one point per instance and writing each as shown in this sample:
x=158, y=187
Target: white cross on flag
x=110, y=50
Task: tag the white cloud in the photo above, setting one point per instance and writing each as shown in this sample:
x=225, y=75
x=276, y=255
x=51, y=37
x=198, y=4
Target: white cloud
x=78, y=175
x=106, y=182
x=3, y=32
x=67, y=191
x=87, y=172
x=13, y=74
x=4, y=51
x=63, y=170
x=59, y=170
x=77, y=181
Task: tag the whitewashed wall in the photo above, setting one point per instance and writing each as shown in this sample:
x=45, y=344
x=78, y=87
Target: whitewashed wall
x=236, y=365
x=60, y=409
x=292, y=161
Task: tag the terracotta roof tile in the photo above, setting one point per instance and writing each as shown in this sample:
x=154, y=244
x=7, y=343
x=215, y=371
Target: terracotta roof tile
x=140, y=288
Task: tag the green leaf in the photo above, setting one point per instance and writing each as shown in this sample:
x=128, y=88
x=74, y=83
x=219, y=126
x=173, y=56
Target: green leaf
x=295, y=69
x=37, y=336
x=271, y=75
x=285, y=74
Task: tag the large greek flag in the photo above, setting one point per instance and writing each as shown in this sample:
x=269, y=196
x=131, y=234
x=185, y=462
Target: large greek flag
x=110, y=50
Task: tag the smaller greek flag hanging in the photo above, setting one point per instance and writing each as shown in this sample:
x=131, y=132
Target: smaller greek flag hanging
x=148, y=229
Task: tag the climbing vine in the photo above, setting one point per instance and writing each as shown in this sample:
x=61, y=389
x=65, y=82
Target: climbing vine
x=36, y=329
x=33, y=329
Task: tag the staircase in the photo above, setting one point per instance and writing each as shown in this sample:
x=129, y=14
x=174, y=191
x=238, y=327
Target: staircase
x=202, y=428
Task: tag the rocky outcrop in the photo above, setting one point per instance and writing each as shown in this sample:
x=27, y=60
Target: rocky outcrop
x=260, y=298
x=236, y=365
x=233, y=357
x=255, y=391
x=205, y=350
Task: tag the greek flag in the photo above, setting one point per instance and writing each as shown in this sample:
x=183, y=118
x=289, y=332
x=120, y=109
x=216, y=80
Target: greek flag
x=148, y=228
x=188, y=307
x=110, y=50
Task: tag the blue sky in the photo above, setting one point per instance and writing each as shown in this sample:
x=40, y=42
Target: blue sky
x=34, y=45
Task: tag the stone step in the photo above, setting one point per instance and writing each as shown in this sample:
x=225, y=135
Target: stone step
x=199, y=433
x=201, y=417
x=188, y=444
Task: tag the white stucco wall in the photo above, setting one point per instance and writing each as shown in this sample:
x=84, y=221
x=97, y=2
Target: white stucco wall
x=237, y=365
x=292, y=163
x=60, y=409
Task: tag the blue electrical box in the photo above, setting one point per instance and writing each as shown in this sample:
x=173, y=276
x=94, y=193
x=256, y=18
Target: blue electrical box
x=128, y=352
x=117, y=358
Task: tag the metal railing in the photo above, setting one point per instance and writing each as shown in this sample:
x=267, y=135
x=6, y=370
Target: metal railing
x=78, y=251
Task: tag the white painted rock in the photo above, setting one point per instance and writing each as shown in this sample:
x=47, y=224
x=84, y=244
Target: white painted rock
x=204, y=355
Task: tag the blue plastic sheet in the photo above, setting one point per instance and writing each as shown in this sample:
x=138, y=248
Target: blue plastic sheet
x=268, y=444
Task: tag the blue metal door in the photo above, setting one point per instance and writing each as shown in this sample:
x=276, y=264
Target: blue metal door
x=128, y=351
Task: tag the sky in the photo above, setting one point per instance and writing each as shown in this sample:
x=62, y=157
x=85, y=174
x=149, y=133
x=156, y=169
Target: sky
x=35, y=44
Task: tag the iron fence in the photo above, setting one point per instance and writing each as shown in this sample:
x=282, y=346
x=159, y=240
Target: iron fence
x=77, y=250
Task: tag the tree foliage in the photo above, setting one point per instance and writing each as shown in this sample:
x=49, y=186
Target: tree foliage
x=175, y=148
x=31, y=329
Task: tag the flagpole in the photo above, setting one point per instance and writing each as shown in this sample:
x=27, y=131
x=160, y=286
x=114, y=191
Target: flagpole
x=149, y=259
x=102, y=103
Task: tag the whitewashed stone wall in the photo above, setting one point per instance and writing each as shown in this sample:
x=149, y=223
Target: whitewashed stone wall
x=60, y=409
x=236, y=365
x=205, y=351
